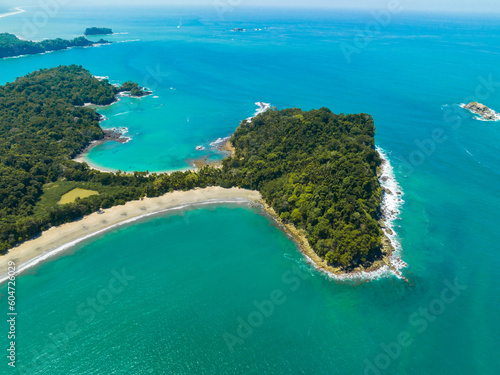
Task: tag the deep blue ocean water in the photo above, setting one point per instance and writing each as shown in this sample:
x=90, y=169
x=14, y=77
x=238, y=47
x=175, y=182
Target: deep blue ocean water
x=197, y=273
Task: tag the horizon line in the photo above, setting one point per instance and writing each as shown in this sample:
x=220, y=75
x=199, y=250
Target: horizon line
x=282, y=7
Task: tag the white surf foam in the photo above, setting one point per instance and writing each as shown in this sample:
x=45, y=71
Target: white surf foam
x=262, y=107
x=15, y=57
x=121, y=113
x=479, y=117
x=127, y=41
x=17, y=10
x=219, y=141
x=391, y=208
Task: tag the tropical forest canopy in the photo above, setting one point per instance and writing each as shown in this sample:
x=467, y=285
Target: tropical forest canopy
x=317, y=170
x=98, y=31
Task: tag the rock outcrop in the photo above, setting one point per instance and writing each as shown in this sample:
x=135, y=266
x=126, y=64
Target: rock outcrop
x=484, y=112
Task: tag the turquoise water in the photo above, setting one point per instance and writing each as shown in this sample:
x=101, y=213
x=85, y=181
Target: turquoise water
x=196, y=274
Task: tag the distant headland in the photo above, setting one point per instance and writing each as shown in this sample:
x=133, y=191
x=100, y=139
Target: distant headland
x=12, y=46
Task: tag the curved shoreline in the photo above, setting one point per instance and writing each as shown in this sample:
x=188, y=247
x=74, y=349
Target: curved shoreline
x=59, y=239
x=81, y=158
x=56, y=240
x=391, y=262
x=391, y=211
x=222, y=145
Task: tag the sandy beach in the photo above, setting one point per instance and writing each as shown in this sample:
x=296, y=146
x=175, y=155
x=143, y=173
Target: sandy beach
x=82, y=159
x=58, y=239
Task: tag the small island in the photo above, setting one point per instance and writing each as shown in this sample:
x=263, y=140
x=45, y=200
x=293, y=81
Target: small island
x=482, y=111
x=12, y=46
x=97, y=31
x=133, y=89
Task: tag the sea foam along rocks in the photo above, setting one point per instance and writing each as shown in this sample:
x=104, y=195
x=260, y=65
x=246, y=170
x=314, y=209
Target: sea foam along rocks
x=485, y=113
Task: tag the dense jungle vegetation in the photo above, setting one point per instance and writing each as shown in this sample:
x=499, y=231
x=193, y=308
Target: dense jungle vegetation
x=97, y=31
x=11, y=45
x=317, y=170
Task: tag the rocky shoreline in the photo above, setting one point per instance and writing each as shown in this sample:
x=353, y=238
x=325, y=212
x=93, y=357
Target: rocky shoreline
x=113, y=134
x=116, y=135
x=223, y=146
x=379, y=266
x=386, y=261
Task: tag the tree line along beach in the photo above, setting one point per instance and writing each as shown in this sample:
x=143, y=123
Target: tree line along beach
x=338, y=232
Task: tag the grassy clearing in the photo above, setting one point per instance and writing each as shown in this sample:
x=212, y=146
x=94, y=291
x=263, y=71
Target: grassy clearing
x=53, y=192
x=76, y=193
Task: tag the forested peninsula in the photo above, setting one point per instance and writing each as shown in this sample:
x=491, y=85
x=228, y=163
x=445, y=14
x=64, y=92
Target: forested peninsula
x=12, y=46
x=317, y=170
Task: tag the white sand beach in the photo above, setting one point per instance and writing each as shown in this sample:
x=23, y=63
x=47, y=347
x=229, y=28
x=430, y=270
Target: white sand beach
x=60, y=238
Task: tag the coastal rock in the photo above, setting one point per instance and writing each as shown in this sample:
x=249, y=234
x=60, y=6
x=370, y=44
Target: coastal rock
x=116, y=135
x=483, y=111
x=200, y=148
x=132, y=89
x=140, y=94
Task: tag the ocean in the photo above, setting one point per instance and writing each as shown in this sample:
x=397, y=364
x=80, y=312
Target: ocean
x=221, y=290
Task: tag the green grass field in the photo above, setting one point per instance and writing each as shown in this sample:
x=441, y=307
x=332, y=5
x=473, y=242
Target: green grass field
x=54, y=193
x=76, y=193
